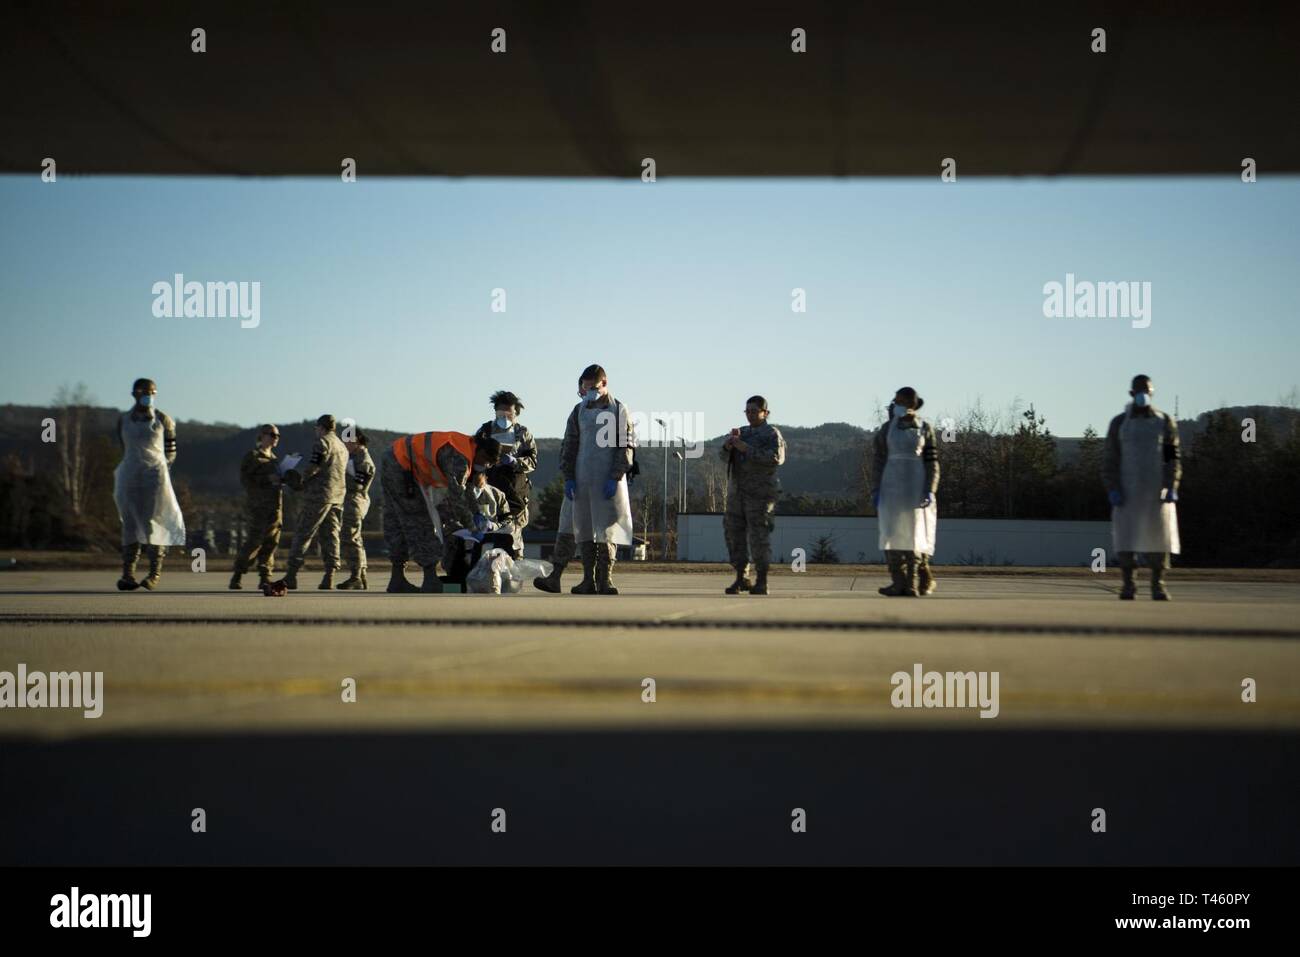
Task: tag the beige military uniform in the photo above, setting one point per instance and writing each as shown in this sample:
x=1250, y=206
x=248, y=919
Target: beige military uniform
x=320, y=508
x=356, y=505
x=259, y=474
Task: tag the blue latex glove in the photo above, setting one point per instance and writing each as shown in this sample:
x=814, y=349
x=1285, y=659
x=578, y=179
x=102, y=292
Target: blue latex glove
x=875, y=498
x=1170, y=495
x=611, y=488
x=570, y=487
x=928, y=500
x=1116, y=498
x=480, y=521
x=508, y=459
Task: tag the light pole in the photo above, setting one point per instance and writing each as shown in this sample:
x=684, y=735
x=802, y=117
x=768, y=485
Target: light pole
x=683, y=506
x=664, y=426
x=681, y=481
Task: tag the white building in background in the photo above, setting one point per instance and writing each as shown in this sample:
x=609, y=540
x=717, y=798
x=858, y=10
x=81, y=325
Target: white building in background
x=960, y=541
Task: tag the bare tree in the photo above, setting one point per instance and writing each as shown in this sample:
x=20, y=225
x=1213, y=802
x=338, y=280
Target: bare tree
x=715, y=484
x=73, y=405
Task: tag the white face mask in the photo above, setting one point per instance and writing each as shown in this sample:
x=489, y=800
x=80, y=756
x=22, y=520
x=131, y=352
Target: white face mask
x=898, y=410
x=478, y=491
x=503, y=422
x=593, y=395
x=146, y=400
x=1142, y=400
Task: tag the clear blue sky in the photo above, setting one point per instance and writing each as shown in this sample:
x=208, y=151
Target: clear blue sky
x=375, y=299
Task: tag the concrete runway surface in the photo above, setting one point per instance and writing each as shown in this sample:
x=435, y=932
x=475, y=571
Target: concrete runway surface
x=534, y=703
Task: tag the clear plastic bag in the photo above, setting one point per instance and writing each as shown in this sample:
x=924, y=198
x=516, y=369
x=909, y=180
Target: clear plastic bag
x=524, y=570
x=490, y=573
x=496, y=573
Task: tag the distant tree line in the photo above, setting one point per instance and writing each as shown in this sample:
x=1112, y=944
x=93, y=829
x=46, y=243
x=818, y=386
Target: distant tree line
x=1238, y=503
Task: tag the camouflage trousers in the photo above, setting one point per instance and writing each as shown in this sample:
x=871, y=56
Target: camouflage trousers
x=566, y=546
x=317, y=517
x=408, y=529
x=131, y=552
x=747, y=527
x=263, y=539
x=350, y=540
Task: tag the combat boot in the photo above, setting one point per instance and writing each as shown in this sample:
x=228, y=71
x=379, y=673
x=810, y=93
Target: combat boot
x=353, y=583
x=924, y=577
x=156, y=554
x=398, y=583
x=897, y=584
x=1158, y=591
x=432, y=584
x=760, y=581
x=130, y=555
x=236, y=583
x=740, y=584
x=1128, y=590
x=550, y=583
x=588, y=584
x=605, y=569
x=291, y=576
x=327, y=581
x=909, y=574
x=263, y=577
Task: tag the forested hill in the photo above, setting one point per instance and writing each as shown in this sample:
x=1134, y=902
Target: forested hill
x=821, y=461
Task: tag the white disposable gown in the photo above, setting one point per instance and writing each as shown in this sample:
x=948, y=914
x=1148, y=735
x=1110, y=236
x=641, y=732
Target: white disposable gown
x=904, y=525
x=1143, y=523
x=596, y=518
x=142, y=486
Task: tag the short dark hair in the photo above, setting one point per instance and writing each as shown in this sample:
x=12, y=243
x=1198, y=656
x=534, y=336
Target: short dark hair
x=1139, y=380
x=267, y=429
x=326, y=422
x=503, y=397
x=757, y=400
x=361, y=439
x=143, y=385
x=490, y=449
x=593, y=371
x=914, y=401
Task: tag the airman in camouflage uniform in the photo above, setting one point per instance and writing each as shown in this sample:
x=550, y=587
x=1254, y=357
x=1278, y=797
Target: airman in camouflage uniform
x=518, y=455
x=409, y=531
x=360, y=473
x=752, y=454
x=322, y=484
x=259, y=473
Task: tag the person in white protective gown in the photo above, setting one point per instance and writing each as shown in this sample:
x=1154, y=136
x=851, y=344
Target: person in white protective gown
x=1141, y=470
x=905, y=478
x=142, y=487
x=598, y=442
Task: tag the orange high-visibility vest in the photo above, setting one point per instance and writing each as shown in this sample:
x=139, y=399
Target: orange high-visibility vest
x=425, y=447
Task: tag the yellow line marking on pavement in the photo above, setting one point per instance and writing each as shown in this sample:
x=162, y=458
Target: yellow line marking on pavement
x=874, y=697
